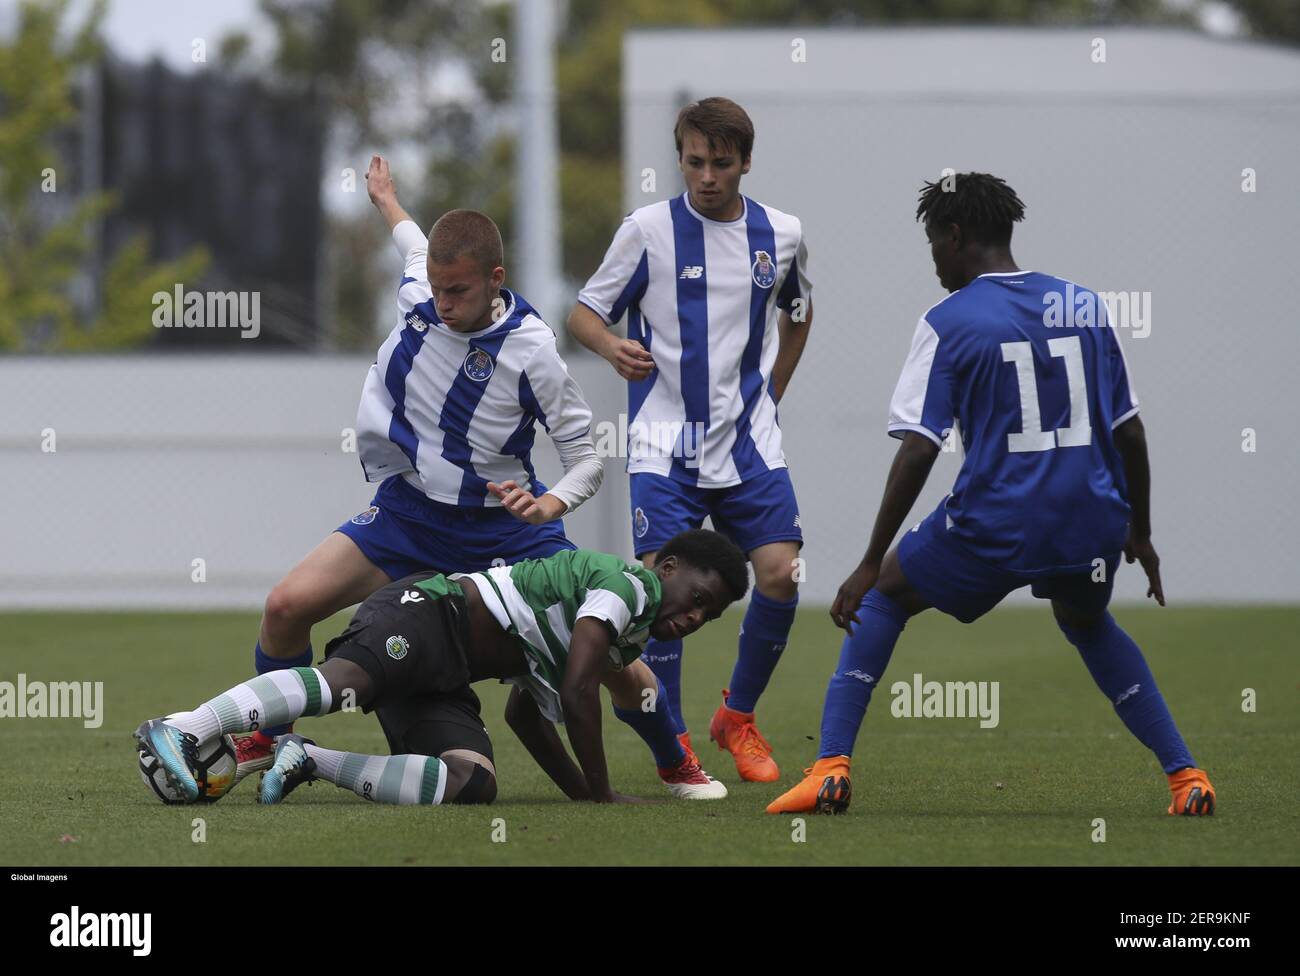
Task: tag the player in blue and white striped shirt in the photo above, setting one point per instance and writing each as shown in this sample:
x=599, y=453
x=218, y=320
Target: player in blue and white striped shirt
x=446, y=424
x=715, y=290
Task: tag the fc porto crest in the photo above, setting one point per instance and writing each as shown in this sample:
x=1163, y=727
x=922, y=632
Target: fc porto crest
x=415, y=322
x=640, y=524
x=763, y=269
x=366, y=517
x=479, y=366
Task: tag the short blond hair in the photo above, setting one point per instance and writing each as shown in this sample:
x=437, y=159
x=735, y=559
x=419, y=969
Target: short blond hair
x=468, y=232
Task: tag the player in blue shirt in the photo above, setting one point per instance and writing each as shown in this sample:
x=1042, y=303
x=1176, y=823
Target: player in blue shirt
x=1054, y=486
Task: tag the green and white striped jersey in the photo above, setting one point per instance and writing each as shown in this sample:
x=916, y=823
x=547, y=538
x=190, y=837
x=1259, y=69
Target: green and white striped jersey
x=540, y=600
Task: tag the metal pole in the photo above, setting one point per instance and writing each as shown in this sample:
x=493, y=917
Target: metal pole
x=536, y=261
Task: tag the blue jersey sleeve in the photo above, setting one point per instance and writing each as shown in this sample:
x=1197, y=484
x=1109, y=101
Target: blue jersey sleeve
x=796, y=286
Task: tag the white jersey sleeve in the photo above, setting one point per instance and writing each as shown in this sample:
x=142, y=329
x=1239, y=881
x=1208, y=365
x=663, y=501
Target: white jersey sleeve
x=557, y=399
x=583, y=471
x=923, y=399
x=413, y=246
x=622, y=276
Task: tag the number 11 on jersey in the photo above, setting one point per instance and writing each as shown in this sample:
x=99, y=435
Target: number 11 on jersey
x=1032, y=437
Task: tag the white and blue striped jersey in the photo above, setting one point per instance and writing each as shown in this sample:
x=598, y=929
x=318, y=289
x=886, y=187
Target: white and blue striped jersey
x=704, y=297
x=452, y=411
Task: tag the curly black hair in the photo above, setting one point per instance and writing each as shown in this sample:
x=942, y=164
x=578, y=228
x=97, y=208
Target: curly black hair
x=710, y=550
x=983, y=206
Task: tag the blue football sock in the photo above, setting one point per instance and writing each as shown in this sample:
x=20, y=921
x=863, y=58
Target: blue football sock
x=657, y=728
x=864, y=655
x=263, y=663
x=1120, y=671
x=665, y=660
x=763, y=637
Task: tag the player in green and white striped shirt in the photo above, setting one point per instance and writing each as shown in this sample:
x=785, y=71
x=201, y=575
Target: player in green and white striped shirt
x=556, y=628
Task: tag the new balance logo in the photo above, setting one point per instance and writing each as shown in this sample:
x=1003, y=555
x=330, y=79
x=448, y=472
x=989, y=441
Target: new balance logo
x=797, y=523
x=862, y=676
x=1131, y=691
x=412, y=596
x=693, y=271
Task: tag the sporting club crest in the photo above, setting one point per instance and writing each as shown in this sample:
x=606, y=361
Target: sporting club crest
x=397, y=646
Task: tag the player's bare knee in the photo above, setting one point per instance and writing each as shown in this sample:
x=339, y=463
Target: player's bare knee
x=627, y=687
x=468, y=781
x=285, y=609
x=348, y=682
x=779, y=586
x=777, y=570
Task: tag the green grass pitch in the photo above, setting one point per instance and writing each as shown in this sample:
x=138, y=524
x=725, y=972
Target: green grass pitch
x=926, y=791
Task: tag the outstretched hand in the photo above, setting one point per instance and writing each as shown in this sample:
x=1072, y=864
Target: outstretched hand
x=379, y=182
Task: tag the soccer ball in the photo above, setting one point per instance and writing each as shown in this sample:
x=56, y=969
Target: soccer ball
x=215, y=773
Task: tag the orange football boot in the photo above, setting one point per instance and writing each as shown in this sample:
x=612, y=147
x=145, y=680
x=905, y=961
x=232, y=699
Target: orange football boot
x=825, y=788
x=1193, y=796
x=685, y=740
x=736, y=733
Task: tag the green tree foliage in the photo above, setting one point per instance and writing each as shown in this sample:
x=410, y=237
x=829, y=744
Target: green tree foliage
x=44, y=243
x=1277, y=20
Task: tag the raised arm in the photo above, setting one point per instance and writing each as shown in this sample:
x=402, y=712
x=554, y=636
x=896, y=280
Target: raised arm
x=383, y=192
